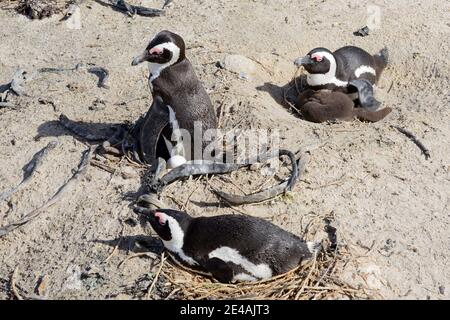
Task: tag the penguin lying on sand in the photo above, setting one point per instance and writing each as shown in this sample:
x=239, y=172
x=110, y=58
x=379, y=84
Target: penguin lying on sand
x=177, y=92
x=229, y=248
x=325, y=105
x=335, y=70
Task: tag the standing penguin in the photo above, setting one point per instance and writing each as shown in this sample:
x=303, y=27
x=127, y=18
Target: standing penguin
x=230, y=248
x=335, y=71
x=173, y=81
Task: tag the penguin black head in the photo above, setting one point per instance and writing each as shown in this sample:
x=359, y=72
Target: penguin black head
x=165, y=49
x=170, y=225
x=317, y=61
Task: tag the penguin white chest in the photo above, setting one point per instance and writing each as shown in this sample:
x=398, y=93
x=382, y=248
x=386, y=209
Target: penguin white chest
x=324, y=79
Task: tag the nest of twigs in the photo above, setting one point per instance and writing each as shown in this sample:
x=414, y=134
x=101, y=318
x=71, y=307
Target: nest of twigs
x=317, y=279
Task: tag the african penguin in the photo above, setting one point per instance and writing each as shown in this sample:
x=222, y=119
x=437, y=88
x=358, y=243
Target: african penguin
x=230, y=248
x=172, y=78
x=335, y=70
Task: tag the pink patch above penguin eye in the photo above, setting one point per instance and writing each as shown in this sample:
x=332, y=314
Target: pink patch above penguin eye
x=316, y=57
x=161, y=218
x=156, y=50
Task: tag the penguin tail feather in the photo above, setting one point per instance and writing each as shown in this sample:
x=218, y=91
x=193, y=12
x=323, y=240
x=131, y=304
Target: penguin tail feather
x=371, y=116
x=314, y=247
x=382, y=58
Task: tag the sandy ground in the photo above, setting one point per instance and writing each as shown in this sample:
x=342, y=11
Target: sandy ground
x=391, y=205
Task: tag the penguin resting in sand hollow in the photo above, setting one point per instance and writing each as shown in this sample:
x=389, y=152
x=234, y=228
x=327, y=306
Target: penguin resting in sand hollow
x=178, y=93
x=335, y=70
x=325, y=105
x=230, y=248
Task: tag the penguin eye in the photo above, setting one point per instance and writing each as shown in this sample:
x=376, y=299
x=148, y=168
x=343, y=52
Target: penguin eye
x=317, y=58
x=161, y=220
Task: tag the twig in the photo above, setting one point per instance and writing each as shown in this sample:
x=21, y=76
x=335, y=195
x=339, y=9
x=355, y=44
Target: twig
x=289, y=103
x=416, y=141
x=391, y=86
x=29, y=169
x=13, y=284
x=155, y=279
x=82, y=168
x=305, y=282
x=141, y=254
x=183, y=208
x=116, y=246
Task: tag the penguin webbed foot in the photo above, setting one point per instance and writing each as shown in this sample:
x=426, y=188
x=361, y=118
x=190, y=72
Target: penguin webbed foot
x=365, y=93
x=152, y=178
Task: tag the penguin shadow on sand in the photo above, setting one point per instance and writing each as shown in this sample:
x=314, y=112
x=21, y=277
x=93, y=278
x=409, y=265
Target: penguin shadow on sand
x=86, y=132
x=136, y=244
x=323, y=105
x=287, y=95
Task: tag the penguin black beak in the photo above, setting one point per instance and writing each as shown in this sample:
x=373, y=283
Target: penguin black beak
x=145, y=56
x=303, y=61
x=147, y=213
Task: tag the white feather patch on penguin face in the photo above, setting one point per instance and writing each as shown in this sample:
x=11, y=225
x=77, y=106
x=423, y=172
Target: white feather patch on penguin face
x=364, y=69
x=320, y=79
x=227, y=254
x=156, y=68
x=175, y=244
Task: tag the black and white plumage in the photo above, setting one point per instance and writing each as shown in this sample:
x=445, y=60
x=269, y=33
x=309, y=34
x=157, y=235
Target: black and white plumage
x=336, y=70
x=173, y=79
x=230, y=248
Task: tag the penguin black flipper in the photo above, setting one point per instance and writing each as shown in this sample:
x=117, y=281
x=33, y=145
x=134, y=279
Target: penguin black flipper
x=219, y=269
x=365, y=94
x=156, y=119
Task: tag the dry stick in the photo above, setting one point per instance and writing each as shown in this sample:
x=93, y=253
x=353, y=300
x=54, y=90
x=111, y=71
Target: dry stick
x=13, y=284
x=114, y=174
x=285, y=91
x=141, y=254
x=82, y=168
x=150, y=289
x=416, y=141
x=222, y=107
x=116, y=246
x=288, y=102
x=102, y=166
x=172, y=293
x=183, y=208
x=30, y=169
x=390, y=88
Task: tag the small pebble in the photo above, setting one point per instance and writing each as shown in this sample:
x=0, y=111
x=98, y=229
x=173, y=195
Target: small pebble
x=442, y=290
